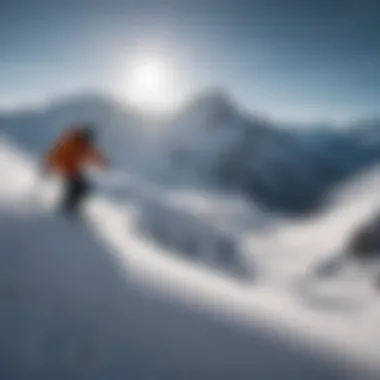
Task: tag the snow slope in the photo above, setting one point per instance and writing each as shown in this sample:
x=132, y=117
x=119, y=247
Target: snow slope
x=108, y=299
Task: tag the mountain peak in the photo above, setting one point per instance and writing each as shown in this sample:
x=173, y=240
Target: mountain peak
x=214, y=106
x=212, y=99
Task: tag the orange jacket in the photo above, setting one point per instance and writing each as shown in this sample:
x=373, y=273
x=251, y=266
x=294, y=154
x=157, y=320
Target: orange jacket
x=71, y=153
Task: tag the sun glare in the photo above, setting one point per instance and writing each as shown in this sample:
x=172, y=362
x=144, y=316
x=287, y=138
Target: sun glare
x=148, y=75
x=147, y=82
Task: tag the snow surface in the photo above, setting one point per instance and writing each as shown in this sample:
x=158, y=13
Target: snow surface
x=168, y=284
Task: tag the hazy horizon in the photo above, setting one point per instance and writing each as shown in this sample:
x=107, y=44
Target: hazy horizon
x=41, y=105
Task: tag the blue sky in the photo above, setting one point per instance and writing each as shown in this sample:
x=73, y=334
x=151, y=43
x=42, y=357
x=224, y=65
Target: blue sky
x=289, y=59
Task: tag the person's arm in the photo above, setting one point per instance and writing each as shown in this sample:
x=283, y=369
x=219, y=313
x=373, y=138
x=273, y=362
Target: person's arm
x=96, y=157
x=51, y=157
x=49, y=160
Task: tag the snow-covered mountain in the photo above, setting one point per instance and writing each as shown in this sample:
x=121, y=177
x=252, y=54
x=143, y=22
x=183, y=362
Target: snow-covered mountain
x=283, y=168
x=192, y=281
x=212, y=142
x=144, y=288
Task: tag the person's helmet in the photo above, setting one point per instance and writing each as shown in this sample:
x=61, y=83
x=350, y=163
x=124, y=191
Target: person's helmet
x=89, y=131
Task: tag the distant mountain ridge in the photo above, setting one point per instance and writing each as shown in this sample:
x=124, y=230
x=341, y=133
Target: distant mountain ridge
x=212, y=141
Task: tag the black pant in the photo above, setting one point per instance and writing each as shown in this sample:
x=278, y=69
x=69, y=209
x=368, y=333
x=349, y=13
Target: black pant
x=76, y=190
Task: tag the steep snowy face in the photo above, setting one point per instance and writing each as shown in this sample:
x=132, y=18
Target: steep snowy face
x=213, y=140
x=285, y=169
x=204, y=132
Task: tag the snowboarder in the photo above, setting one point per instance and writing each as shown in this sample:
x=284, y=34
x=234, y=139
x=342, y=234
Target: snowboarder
x=68, y=157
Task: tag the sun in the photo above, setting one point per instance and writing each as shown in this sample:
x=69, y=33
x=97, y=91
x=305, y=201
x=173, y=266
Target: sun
x=149, y=75
x=147, y=82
